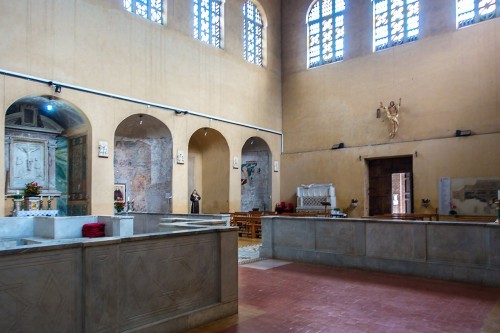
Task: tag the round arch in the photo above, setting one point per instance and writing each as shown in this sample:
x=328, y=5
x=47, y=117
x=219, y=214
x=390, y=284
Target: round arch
x=256, y=175
x=46, y=142
x=208, y=170
x=143, y=164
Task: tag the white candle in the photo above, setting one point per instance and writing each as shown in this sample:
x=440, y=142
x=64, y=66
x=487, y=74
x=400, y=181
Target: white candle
x=49, y=197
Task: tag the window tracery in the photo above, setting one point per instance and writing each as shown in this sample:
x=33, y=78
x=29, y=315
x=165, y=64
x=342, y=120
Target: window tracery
x=325, y=32
x=253, y=28
x=208, y=21
x=149, y=9
x=395, y=22
x=474, y=11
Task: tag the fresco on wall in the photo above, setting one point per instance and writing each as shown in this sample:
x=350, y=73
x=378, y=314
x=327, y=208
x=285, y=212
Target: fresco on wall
x=474, y=196
x=247, y=172
x=255, y=185
x=144, y=165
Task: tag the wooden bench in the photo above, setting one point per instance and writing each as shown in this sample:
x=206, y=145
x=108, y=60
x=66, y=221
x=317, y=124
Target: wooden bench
x=248, y=226
x=406, y=216
x=470, y=218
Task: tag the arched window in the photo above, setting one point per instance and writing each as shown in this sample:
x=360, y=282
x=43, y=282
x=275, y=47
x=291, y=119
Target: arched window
x=395, y=22
x=474, y=11
x=150, y=9
x=325, y=32
x=253, y=28
x=208, y=21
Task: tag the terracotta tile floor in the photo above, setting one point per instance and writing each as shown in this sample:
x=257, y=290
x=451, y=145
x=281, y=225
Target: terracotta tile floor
x=277, y=296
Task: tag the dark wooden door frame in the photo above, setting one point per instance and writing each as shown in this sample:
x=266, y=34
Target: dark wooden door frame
x=379, y=191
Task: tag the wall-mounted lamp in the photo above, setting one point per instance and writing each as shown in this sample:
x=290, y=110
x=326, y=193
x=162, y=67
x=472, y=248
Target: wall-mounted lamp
x=338, y=146
x=426, y=202
x=140, y=119
x=206, y=132
x=416, y=153
x=463, y=132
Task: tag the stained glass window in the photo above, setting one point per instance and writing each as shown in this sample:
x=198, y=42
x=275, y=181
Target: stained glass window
x=252, y=34
x=474, y=11
x=325, y=32
x=395, y=22
x=208, y=21
x=150, y=9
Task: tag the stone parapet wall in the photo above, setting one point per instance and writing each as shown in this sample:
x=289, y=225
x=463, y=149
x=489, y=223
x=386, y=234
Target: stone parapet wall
x=147, y=283
x=467, y=252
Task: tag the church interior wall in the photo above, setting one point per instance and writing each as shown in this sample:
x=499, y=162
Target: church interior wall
x=448, y=80
x=100, y=46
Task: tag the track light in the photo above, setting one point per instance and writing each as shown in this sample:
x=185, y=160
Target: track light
x=463, y=132
x=140, y=119
x=338, y=146
x=57, y=88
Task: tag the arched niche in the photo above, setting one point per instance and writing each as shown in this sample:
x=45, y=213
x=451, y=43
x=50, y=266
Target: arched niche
x=208, y=173
x=46, y=142
x=256, y=175
x=143, y=163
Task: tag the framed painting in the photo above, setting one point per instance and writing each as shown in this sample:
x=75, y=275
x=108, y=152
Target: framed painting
x=120, y=192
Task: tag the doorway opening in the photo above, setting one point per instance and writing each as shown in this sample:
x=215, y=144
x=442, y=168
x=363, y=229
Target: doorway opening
x=401, y=193
x=390, y=188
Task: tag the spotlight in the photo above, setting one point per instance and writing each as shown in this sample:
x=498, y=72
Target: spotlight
x=57, y=88
x=463, y=132
x=338, y=146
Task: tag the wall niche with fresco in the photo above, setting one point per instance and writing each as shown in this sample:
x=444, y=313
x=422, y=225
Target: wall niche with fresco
x=36, y=146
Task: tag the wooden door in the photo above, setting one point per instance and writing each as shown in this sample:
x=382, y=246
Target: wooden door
x=380, y=182
x=77, y=176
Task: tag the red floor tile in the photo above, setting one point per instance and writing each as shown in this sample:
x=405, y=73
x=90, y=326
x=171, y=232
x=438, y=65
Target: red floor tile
x=309, y=298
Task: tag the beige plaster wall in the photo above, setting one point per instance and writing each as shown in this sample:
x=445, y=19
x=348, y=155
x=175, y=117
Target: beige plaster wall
x=98, y=45
x=447, y=80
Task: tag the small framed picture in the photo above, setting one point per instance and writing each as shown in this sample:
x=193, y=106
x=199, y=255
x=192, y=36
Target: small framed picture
x=236, y=164
x=276, y=166
x=103, y=149
x=120, y=192
x=180, y=157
